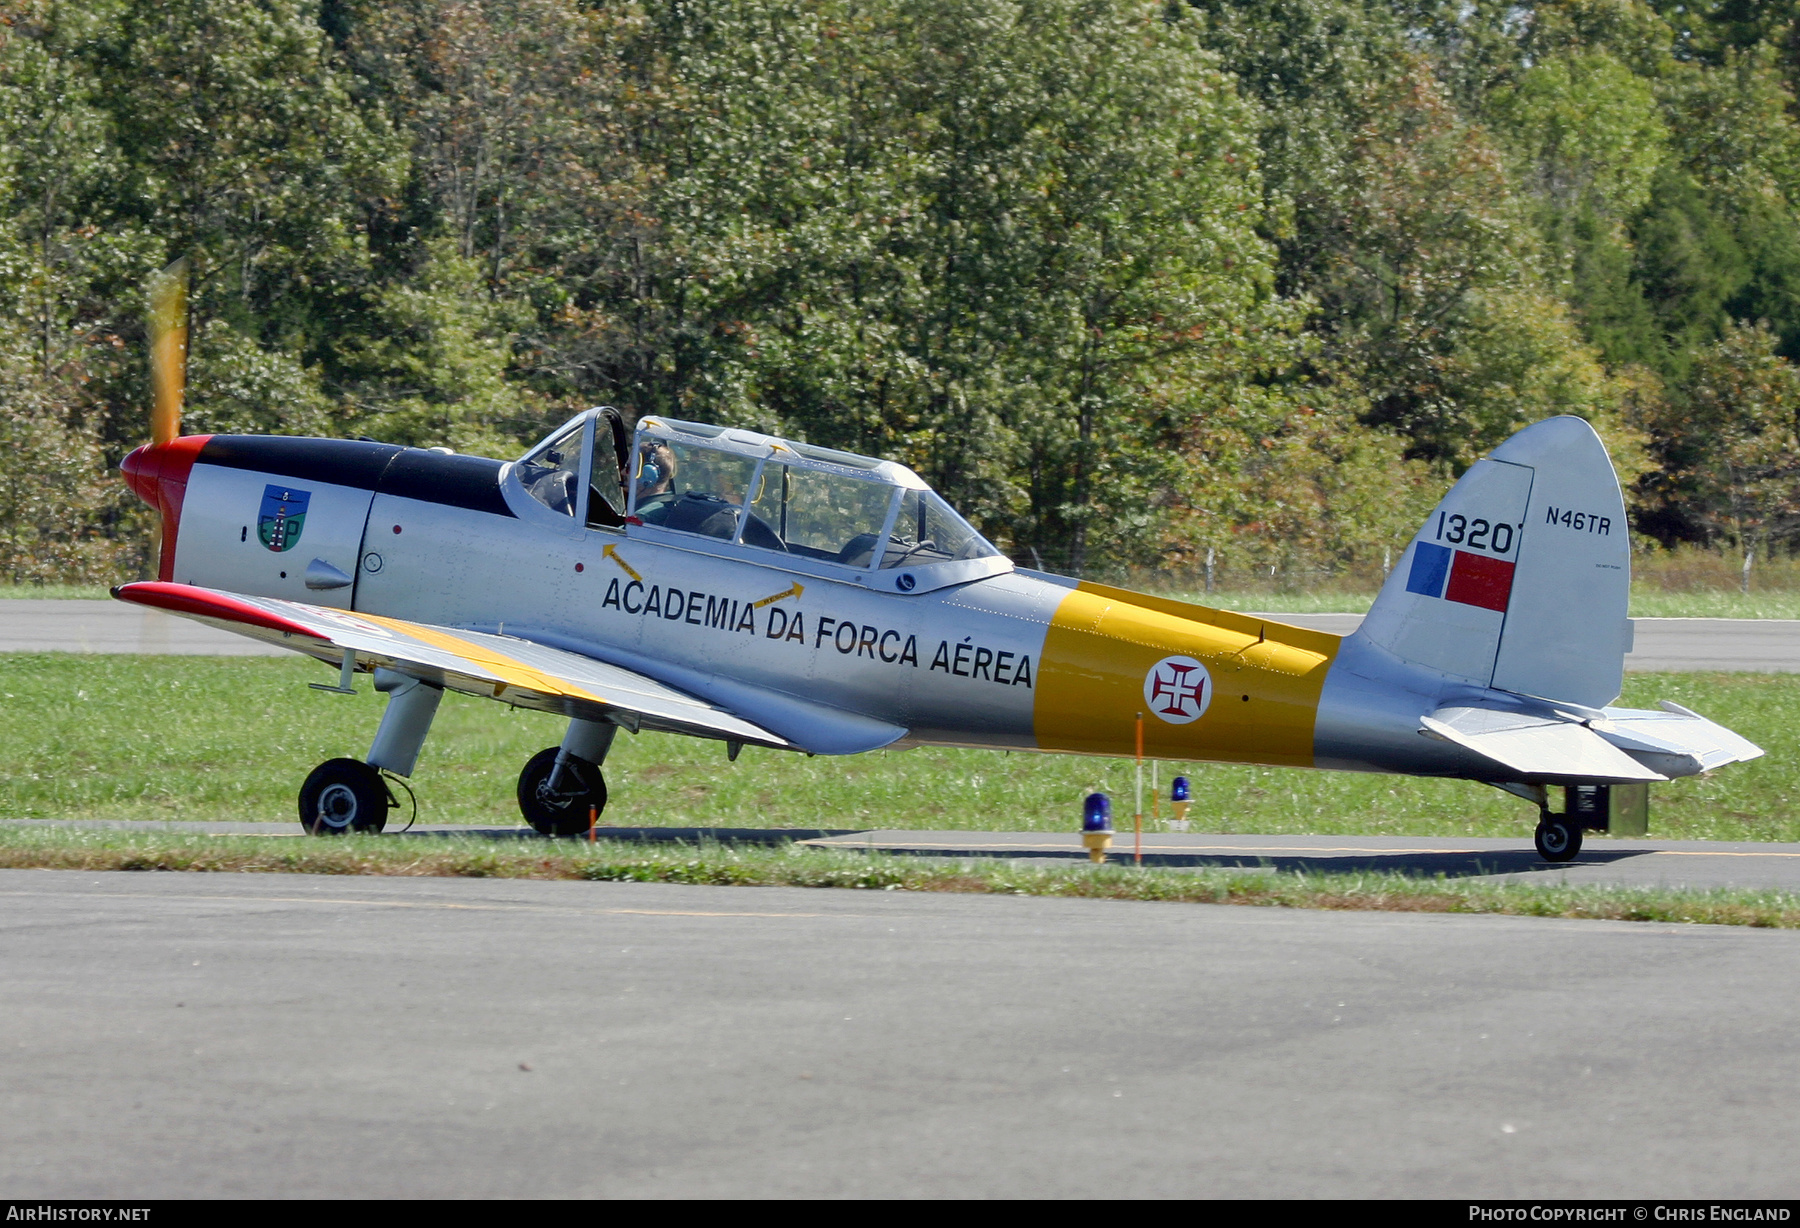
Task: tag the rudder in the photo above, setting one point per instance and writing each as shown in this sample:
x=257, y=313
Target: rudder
x=1520, y=579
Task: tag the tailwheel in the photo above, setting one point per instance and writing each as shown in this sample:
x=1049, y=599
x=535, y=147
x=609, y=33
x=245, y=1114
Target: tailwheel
x=1558, y=838
x=557, y=803
x=344, y=795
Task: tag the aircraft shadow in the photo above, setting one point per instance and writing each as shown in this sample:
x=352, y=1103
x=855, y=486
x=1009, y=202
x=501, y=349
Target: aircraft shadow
x=1415, y=864
x=653, y=835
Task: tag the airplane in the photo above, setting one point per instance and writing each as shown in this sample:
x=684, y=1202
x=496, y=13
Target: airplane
x=721, y=583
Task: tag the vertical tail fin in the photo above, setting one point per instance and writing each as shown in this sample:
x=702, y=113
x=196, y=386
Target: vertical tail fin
x=1521, y=577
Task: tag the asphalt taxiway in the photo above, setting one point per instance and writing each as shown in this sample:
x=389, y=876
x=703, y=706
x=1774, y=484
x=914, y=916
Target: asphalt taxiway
x=1686, y=864
x=1690, y=864
x=224, y=1035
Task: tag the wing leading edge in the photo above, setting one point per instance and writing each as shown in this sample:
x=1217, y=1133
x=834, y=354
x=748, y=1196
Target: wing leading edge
x=515, y=671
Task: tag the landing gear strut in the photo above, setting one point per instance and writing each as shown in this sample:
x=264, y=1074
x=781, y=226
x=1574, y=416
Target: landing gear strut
x=349, y=795
x=1558, y=836
x=562, y=785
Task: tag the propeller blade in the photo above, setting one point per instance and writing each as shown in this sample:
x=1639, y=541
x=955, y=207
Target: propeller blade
x=168, y=349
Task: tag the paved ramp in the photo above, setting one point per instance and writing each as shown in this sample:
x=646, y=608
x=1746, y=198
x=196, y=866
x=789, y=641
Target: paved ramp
x=1639, y=863
x=1666, y=645
x=115, y=626
x=302, y=1036
x=1628, y=863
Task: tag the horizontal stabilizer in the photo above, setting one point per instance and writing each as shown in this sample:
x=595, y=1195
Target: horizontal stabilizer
x=1537, y=748
x=1676, y=732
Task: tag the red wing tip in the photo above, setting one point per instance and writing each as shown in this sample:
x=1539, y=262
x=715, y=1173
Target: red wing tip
x=142, y=591
x=187, y=599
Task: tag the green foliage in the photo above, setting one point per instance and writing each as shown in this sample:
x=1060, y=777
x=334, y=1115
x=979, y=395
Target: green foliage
x=52, y=506
x=1586, y=128
x=441, y=358
x=1011, y=244
x=1127, y=280
x=1318, y=491
x=1734, y=448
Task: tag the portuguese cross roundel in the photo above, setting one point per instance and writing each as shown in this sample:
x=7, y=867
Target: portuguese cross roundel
x=1178, y=690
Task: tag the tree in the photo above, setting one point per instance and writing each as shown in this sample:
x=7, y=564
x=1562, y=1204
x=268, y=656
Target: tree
x=62, y=277
x=1011, y=242
x=522, y=215
x=1732, y=443
x=242, y=149
x=1409, y=267
x=1587, y=137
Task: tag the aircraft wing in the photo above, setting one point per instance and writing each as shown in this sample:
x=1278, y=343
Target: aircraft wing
x=516, y=671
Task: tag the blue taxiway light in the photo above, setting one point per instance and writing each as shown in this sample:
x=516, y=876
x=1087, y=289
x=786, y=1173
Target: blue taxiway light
x=1096, y=813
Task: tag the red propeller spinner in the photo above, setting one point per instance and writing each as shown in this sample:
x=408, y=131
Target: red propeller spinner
x=158, y=473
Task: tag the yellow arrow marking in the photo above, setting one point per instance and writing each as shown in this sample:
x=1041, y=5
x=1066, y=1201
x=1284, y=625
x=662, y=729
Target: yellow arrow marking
x=612, y=553
x=786, y=592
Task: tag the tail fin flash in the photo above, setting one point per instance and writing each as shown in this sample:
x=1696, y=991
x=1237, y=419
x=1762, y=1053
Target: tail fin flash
x=1521, y=577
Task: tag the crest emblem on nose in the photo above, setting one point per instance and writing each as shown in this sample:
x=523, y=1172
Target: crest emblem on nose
x=282, y=518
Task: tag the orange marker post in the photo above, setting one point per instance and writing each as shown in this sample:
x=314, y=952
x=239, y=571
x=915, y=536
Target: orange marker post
x=1137, y=820
x=593, y=817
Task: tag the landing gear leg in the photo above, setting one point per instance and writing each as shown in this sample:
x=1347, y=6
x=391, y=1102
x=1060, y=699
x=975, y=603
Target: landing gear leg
x=563, y=783
x=1558, y=836
x=345, y=795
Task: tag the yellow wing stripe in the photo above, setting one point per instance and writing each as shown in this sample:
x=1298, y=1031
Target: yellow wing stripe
x=511, y=672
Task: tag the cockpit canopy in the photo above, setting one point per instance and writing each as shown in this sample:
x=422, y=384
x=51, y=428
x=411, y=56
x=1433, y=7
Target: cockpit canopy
x=814, y=505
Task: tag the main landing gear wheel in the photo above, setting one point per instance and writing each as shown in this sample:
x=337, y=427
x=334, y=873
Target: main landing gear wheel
x=1558, y=838
x=562, y=812
x=344, y=795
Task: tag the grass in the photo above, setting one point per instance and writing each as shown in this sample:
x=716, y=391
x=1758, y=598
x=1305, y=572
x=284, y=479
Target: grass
x=797, y=866
x=119, y=737
x=1714, y=604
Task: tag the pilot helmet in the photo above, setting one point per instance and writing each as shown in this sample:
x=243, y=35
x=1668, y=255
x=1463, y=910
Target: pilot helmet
x=656, y=466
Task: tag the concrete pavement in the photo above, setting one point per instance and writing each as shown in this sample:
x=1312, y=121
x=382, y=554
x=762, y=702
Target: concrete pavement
x=1674, y=645
x=28, y=625
x=223, y=1035
x=1698, y=864
x=1622, y=862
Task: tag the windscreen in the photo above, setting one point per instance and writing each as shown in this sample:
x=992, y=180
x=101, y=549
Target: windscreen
x=552, y=473
x=927, y=530
x=820, y=515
